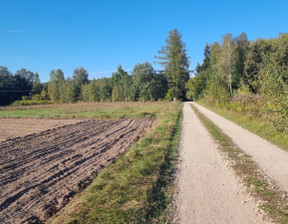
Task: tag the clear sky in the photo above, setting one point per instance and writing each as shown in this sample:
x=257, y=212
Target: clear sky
x=41, y=35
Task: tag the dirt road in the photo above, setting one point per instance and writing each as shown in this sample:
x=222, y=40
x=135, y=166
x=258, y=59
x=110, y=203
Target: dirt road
x=208, y=190
x=272, y=160
x=39, y=173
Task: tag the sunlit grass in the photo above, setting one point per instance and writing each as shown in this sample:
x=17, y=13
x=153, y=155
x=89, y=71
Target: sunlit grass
x=88, y=110
x=254, y=124
x=138, y=187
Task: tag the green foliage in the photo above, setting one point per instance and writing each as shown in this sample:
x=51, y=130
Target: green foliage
x=242, y=48
x=37, y=87
x=121, y=84
x=118, y=94
x=227, y=61
x=13, y=87
x=94, y=91
x=69, y=90
x=144, y=84
x=175, y=63
x=56, y=83
x=80, y=77
x=196, y=86
x=244, y=68
x=252, y=67
x=148, y=85
x=105, y=89
x=217, y=91
x=172, y=92
x=27, y=102
x=44, y=94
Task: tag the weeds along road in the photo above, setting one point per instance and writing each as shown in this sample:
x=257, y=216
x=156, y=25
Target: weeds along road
x=208, y=191
x=271, y=159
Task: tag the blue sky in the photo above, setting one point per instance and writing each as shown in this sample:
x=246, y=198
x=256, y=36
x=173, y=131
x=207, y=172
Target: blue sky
x=41, y=35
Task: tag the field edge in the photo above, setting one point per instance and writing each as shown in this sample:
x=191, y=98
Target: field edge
x=138, y=187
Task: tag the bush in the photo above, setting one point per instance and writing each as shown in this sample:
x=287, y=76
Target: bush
x=30, y=102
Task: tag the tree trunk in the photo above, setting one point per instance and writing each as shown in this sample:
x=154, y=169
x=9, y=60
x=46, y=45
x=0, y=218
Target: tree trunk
x=230, y=83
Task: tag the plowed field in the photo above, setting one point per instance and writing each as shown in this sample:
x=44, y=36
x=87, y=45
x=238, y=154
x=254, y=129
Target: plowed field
x=12, y=128
x=39, y=173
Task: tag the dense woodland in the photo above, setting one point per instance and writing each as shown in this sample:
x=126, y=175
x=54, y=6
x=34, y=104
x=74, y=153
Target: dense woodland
x=143, y=84
x=245, y=76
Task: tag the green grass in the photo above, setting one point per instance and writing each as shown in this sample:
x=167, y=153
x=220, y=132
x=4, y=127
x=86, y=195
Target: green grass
x=88, y=110
x=138, y=187
x=272, y=201
x=257, y=125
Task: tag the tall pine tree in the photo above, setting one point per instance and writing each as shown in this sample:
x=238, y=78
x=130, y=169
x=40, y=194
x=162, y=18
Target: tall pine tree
x=176, y=64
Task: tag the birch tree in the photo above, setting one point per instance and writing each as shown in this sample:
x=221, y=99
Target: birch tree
x=227, y=60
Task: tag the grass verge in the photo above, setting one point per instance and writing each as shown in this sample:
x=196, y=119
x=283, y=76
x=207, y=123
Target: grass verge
x=117, y=110
x=270, y=198
x=138, y=187
x=254, y=124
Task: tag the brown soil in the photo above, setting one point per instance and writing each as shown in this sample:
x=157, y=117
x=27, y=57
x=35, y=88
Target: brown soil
x=18, y=127
x=39, y=173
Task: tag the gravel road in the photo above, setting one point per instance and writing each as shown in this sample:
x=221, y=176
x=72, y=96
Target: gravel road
x=272, y=160
x=208, y=191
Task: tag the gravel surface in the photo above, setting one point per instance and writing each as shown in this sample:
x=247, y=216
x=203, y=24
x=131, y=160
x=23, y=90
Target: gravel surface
x=208, y=190
x=271, y=159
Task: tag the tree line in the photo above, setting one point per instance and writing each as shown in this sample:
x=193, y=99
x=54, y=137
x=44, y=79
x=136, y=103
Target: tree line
x=245, y=76
x=142, y=84
x=22, y=83
x=238, y=65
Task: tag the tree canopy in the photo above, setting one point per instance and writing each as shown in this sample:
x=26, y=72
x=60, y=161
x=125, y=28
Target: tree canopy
x=144, y=83
x=176, y=64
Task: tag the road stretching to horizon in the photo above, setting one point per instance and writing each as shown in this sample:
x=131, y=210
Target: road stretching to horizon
x=208, y=190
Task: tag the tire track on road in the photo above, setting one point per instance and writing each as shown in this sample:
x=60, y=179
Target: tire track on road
x=208, y=191
x=271, y=159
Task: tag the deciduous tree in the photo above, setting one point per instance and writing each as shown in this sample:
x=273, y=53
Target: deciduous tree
x=227, y=60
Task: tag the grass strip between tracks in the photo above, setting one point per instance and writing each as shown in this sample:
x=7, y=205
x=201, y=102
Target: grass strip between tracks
x=269, y=197
x=254, y=124
x=138, y=187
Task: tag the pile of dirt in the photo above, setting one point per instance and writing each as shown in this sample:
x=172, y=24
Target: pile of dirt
x=39, y=173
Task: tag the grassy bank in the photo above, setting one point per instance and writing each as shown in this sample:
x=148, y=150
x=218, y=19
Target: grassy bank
x=271, y=199
x=138, y=187
x=88, y=110
x=256, y=124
